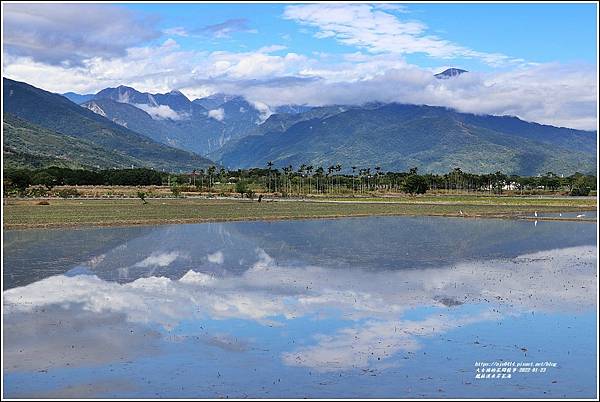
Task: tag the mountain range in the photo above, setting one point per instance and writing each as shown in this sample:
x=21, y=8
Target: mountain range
x=397, y=137
x=41, y=115
x=200, y=126
x=30, y=145
x=169, y=131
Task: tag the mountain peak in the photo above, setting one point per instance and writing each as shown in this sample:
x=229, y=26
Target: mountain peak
x=215, y=100
x=449, y=73
x=124, y=88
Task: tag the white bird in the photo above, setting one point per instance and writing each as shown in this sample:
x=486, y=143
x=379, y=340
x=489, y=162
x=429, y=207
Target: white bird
x=461, y=212
x=581, y=215
x=559, y=214
x=535, y=213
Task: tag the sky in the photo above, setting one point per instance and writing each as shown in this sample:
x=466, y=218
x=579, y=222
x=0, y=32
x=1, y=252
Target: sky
x=535, y=61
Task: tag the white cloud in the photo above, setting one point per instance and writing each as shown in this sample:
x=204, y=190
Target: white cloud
x=562, y=95
x=271, y=49
x=217, y=114
x=176, y=31
x=259, y=64
x=70, y=33
x=160, y=112
x=264, y=110
x=392, y=7
x=148, y=69
x=377, y=30
x=553, y=93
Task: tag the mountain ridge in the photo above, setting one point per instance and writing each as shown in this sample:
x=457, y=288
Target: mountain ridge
x=398, y=137
x=57, y=113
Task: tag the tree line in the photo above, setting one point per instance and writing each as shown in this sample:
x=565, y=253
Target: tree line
x=305, y=180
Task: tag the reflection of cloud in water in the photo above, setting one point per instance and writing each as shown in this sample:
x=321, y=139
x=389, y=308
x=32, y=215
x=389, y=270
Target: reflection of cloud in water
x=361, y=345
x=552, y=281
x=55, y=336
x=83, y=390
x=216, y=258
x=158, y=259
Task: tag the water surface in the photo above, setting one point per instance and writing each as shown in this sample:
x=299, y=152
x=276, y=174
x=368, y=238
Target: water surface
x=391, y=307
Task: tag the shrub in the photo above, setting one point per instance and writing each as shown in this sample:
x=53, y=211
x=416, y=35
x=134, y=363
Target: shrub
x=142, y=196
x=68, y=193
x=176, y=190
x=36, y=192
x=241, y=187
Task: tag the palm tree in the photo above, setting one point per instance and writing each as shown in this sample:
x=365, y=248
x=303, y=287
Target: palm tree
x=319, y=173
x=211, y=172
x=201, y=172
x=377, y=169
x=222, y=175
x=287, y=170
x=309, y=170
x=330, y=181
x=361, y=173
x=338, y=169
x=290, y=172
x=301, y=170
x=270, y=166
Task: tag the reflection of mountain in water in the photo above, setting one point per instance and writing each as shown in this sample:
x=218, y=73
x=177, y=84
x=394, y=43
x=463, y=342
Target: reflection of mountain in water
x=377, y=243
x=410, y=242
x=31, y=255
x=364, y=316
x=302, y=301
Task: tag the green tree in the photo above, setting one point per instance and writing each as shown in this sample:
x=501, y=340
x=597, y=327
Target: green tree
x=241, y=187
x=580, y=187
x=18, y=179
x=415, y=184
x=44, y=179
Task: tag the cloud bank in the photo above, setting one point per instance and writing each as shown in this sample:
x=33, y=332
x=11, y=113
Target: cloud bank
x=113, y=50
x=71, y=33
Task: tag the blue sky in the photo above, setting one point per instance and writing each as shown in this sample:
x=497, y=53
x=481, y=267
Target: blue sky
x=535, y=61
x=548, y=33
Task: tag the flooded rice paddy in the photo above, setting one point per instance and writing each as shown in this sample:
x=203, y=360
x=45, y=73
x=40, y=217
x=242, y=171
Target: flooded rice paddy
x=388, y=307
